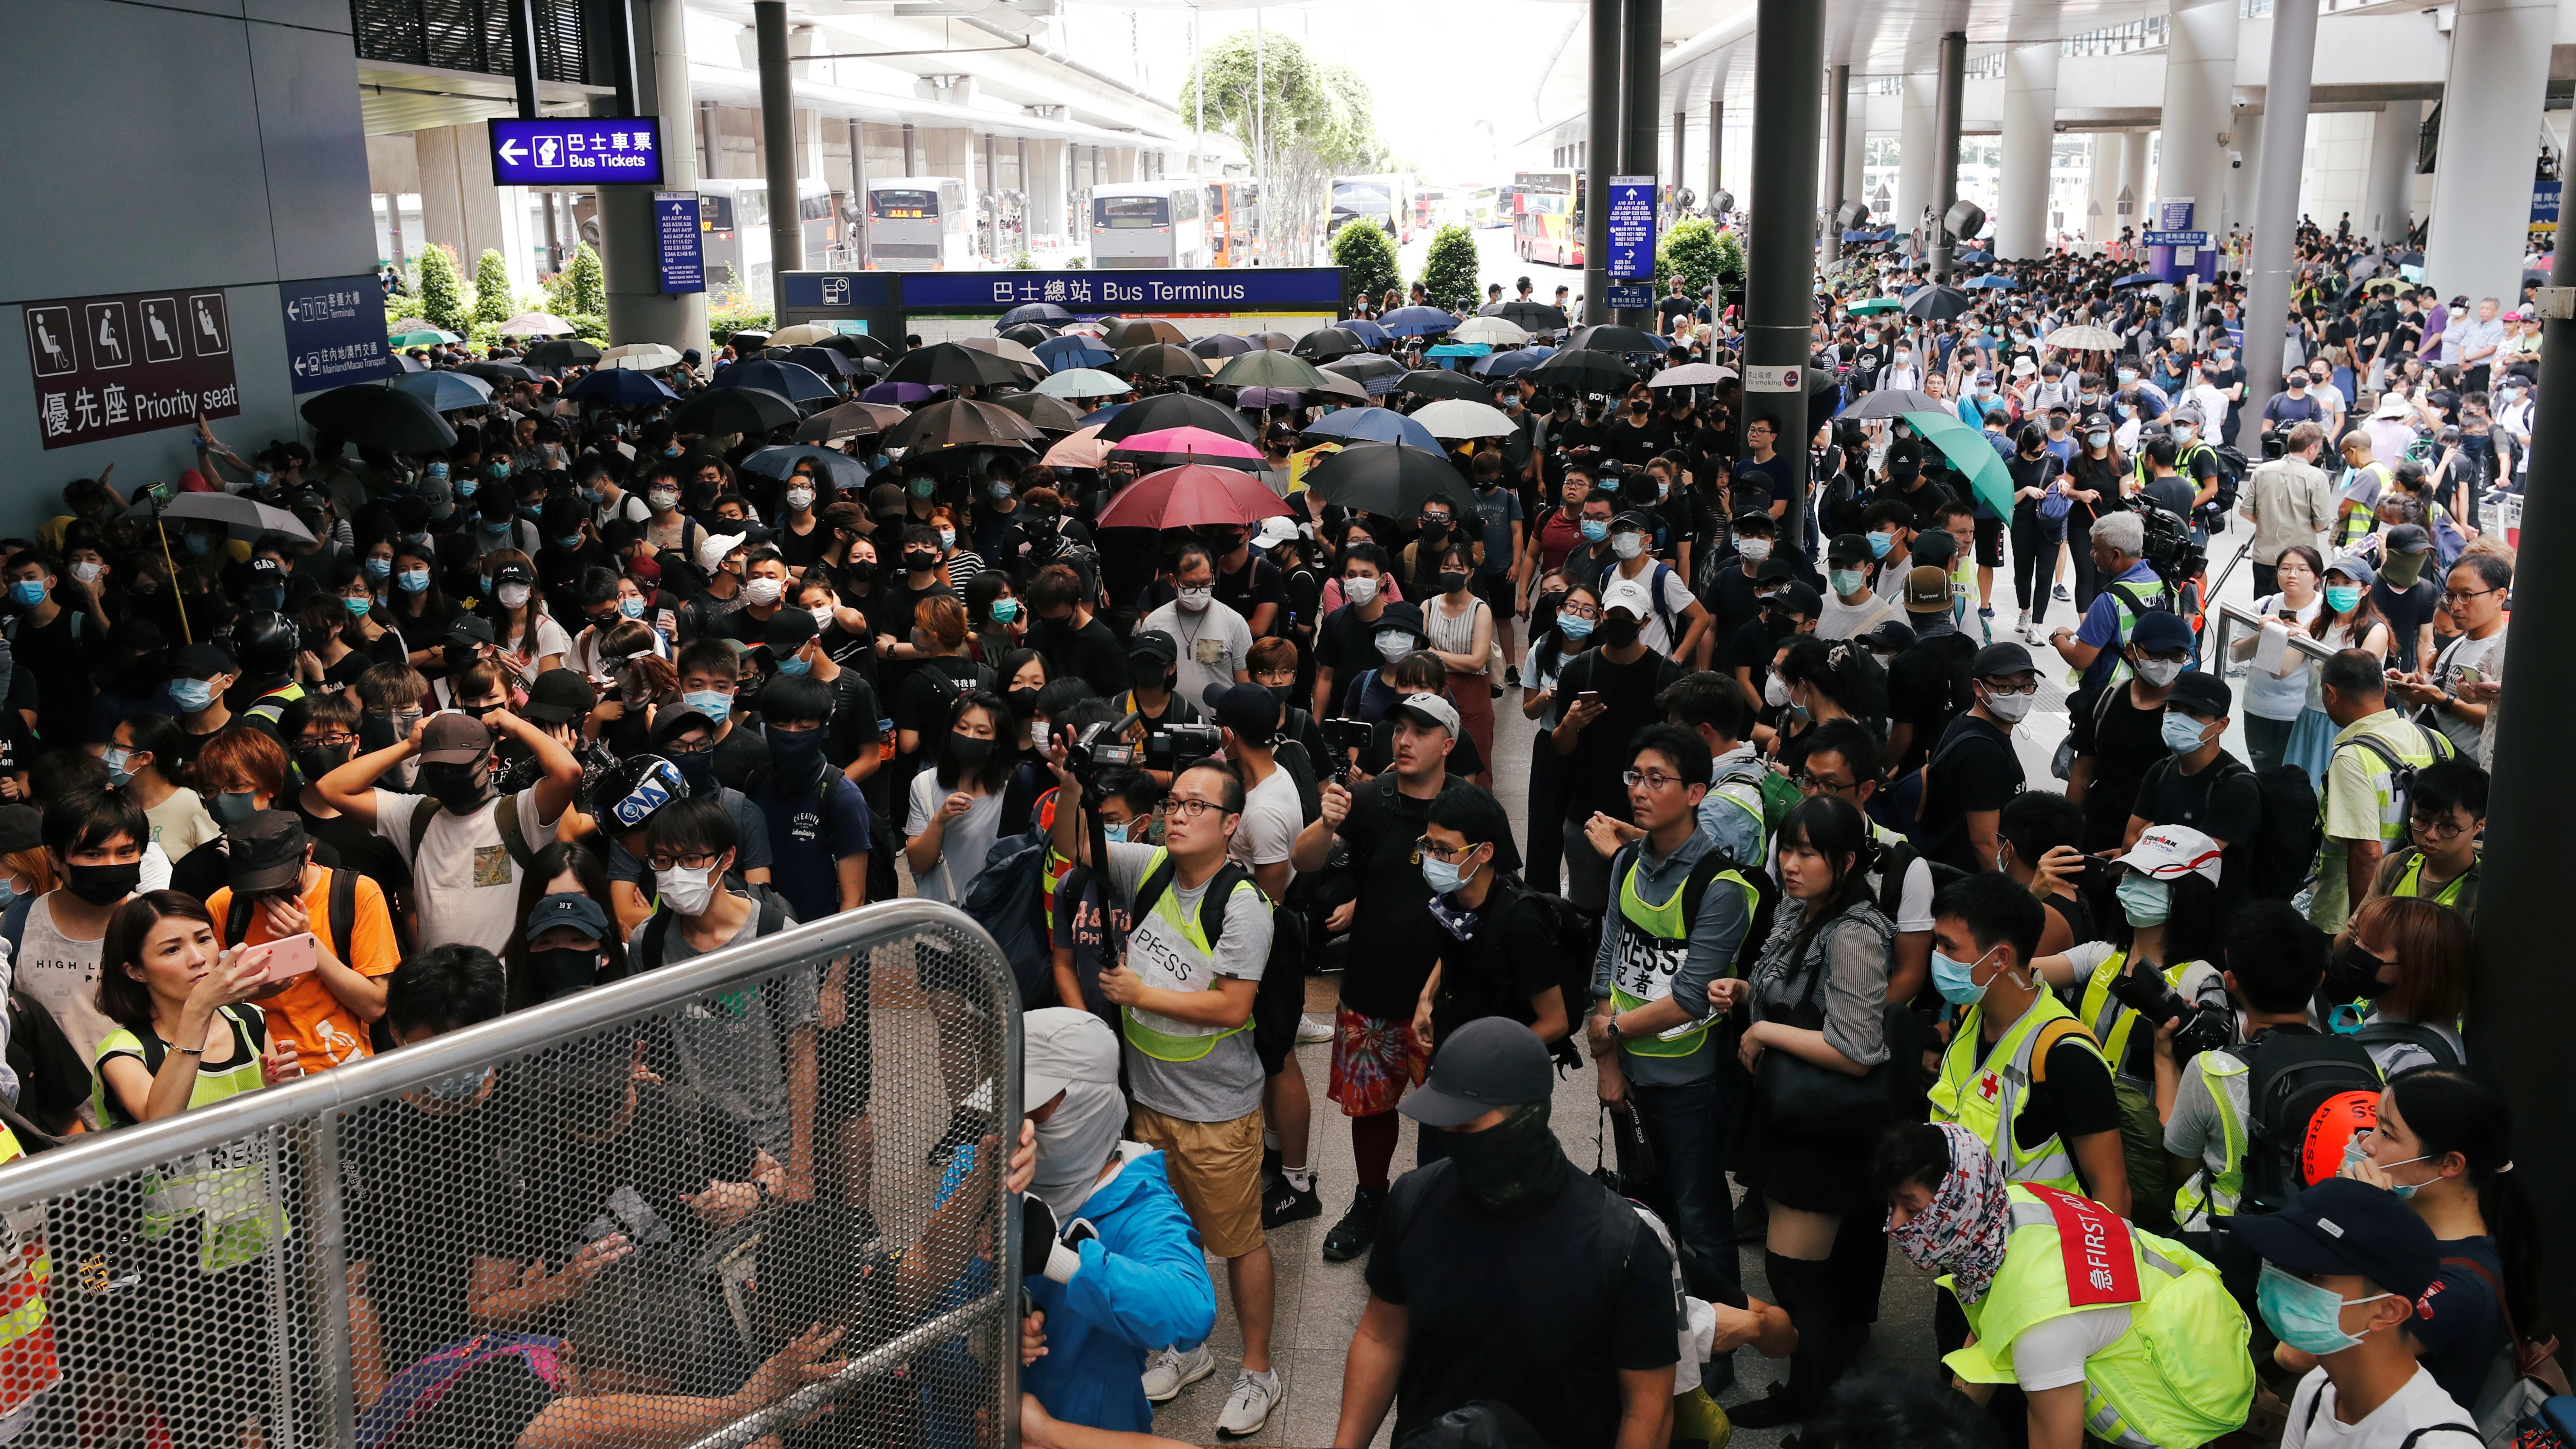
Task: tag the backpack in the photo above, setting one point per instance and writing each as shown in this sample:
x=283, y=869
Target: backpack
x=1576, y=933
x=2401, y=775
x=2306, y=1093
x=505, y=815
x=657, y=928
x=342, y=913
x=2409, y=1033
x=948, y=687
x=53, y=1081
x=2282, y=857
x=1008, y=899
x=2524, y=1376
x=414, y=1394
x=2231, y=479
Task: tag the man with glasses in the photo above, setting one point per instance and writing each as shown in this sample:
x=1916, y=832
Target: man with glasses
x=2446, y=812
x=1975, y=768
x=2474, y=598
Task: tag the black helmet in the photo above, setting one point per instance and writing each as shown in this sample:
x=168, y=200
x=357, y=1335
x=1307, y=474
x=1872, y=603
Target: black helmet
x=630, y=791
x=265, y=642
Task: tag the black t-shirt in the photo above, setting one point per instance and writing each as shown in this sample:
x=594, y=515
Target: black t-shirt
x=1347, y=645
x=59, y=657
x=1393, y=914
x=2172, y=492
x=1633, y=445
x=2407, y=614
x=2224, y=802
x=1973, y=768
x=1927, y=687
x=740, y=752
x=421, y=1190
x=1751, y=647
x=1511, y=958
x=1248, y=588
x=1091, y=654
x=1672, y=307
x=802, y=550
x=2458, y=1324
x=2123, y=742
x=1601, y=750
x=1589, y=1292
x=2076, y=1099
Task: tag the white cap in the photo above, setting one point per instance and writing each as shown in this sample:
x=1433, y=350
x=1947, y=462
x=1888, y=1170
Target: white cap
x=1631, y=595
x=713, y=548
x=2170, y=852
x=2391, y=406
x=1274, y=532
x=1429, y=709
x=1063, y=1045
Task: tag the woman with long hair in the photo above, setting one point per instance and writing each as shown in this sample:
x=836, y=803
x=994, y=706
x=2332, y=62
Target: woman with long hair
x=1821, y=679
x=2036, y=537
x=995, y=621
x=2274, y=698
x=2347, y=620
x=2094, y=481
x=956, y=805
x=1817, y=994
x=1561, y=620
x=525, y=637
x=187, y=1039
x=141, y=756
x=1461, y=630
x=1018, y=678
x=419, y=606
x=561, y=950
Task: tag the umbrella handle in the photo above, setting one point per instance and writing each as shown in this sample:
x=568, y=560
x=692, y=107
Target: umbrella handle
x=177, y=597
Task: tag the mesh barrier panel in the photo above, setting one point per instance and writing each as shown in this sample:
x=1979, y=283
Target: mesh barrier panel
x=728, y=1200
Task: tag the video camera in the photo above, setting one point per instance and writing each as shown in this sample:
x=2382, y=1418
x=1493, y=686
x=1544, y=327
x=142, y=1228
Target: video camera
x=1341, y=738
x=2201, y=1028
x=2169, y=549
x=1178, y=747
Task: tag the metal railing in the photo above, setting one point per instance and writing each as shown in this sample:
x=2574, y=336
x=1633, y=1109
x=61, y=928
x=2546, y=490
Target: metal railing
x=2226, y=619
x=620, y=1213
x=471, y=35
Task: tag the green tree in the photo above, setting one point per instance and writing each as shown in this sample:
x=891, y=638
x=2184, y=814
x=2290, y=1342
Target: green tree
x=493, y=301
x=1304, y=118
x=582, y=285
x=1366, y=255
x=442, y=291
x=1449, y=268
x=1698, y=252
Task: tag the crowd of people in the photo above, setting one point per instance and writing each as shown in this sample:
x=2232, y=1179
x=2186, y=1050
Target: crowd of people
x=587, y=692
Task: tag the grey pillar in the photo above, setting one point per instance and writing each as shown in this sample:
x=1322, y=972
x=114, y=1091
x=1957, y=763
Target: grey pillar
x=1642, y=30
x=993, y=195
x=1681, y=157
x=638, y=309
x=2029, y=150
x=2191, y=159
x=1716, y=145
x=1600, y=159
x=1837, y=131
x=1789, y=40
x=1916, y=151
x=2276, y=205
x=908, y=161
x=2388, y=195
x=856, y=231
x=2491, y=108
x=1947, y=106
x=778, y=146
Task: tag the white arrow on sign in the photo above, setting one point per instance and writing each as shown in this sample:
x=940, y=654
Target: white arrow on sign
x=511, y=152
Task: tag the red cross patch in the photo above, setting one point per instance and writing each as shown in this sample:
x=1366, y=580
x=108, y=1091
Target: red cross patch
x=1989, y=1086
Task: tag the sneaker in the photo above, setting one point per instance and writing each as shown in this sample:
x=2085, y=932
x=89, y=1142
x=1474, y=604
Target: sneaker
x=1358, y=1228
x=1512, y=675
x=1310, y=1032
x=1986, y=624
x=1168, y=1371
x=2064, y=592
x=1283, y=1202
x=1249, y=1406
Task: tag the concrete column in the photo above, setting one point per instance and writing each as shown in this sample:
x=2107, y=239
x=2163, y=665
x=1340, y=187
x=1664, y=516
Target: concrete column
x=1716, y=146
x=2200, y=75
x=1789, y=45
x=2245, y=169
x=2276, y=205
x=1600, y=157
x=1681, y=157
x=1837, y=181
x=2102, y=188
x=638, y=309
x=1640, y=94
x=1916, y=148
x=1856, y=150
x=2135, y=149
x=2030, y=135
x=1951, y=103
x=2389, y=189
x=778, y=146
x=2490, y=136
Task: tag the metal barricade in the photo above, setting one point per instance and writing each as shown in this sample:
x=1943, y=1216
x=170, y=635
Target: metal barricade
x=729, y=1199
x=2226, y=619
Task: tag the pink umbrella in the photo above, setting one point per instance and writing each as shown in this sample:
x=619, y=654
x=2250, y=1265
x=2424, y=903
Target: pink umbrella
x=1081, y=449
x=1197, y=441
x=1191, y=497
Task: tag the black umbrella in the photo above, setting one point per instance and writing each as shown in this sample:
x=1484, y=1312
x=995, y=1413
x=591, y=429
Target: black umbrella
x=849, y=420
x=371, y=414
x=750, y=411
x=1275, y=341
x=1139, y=332
x=1368, y=368
x=1159, y=359
x=1439, y=382
x=1175, y=410
x=746, y=342
x=562, y=352
x=1895, y=402
x=1027, y=334
x=859, y=344
x=824, y=362
x=1034, y=312
x=1610, y=337
x=1221, y=344
x=958, y=423
x=1329, y=342
x=1586, y=371
x=1938, y=304
x=498, y=372
x=954, y=366
x=1531, y=316
x=1388, y=479
x=1050, y=414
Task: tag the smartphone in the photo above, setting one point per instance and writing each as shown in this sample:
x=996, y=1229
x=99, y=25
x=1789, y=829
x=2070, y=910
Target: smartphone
x=297, y=955
x=2470, y=674
x=1589, y=696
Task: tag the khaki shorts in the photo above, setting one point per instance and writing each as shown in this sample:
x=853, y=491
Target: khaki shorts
x=1216, y=1168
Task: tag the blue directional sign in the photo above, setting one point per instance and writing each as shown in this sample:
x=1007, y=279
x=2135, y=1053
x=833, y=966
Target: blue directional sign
x=675, y=231
x=576, y=151
x=1216, y=290
x=836, y=289
x=1629, y=298
x=335, y=332
x=2174, y=239
x=1632, y=228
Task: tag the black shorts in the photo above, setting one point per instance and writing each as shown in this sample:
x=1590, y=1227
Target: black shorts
x=1990, y=543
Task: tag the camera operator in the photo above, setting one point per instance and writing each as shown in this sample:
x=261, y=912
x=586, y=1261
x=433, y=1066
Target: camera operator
x=1153, y=663
x=2129, y=588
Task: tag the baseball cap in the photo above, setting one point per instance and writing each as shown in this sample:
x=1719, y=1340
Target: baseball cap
x=560, y=696
x=713, y=548
x=1927, y=589
x=1247, y=709
x=1427, y=709
x=1154, y=643
x=265, y=853
x=1891, y=636
x=199, y=661
x=2159, y=631
x=567, y=908
x=1848, y=548
x=885, y=498
x=1274, y=532
x=2409, y=538
x=20, y=828
x=2343, y=1225
x=454, y=739
x=1062, y=1045
x=2170, y=852
x=2354, y=567
x=469, y=628
x=2187, y=413
x=2200, y=693
x=1801, y=598
x=1490, y=1062
x=1631, y=595
x=1935, y=546
x=2001, y=661
x=787, y=631
x=848, y=515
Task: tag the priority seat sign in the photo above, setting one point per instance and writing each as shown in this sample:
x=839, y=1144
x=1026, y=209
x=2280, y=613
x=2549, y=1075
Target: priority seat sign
x=576, y=150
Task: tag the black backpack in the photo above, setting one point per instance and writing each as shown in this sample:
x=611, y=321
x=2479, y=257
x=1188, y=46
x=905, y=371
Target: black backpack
x=2401, y=775
x=657, y=928
x=1576, y=934
x=2282, y=857
x=2410, y=1033
x=2307, y=1091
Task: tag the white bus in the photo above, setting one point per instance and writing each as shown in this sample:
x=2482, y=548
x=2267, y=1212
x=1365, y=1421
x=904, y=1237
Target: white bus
x=919, y=224
x=733, y=231
x=1150, y=223
x=1386, y=200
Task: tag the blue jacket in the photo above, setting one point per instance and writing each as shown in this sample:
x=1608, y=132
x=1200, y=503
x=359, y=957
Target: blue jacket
x=1143, y=1285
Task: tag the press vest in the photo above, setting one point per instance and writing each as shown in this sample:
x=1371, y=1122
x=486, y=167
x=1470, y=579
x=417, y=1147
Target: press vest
x=1190, y=966
x=1653, y=942
x=1986, y=1096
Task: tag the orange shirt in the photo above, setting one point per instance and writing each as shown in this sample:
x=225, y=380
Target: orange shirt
x=325, y=1032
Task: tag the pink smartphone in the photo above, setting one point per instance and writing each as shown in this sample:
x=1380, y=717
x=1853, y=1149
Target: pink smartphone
x=295, y=956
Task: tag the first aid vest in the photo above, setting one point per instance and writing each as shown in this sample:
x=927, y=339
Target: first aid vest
x=2180, y=1376
x=2104, y=1016
x=2148, y=591
x=1654, y=941
x=28, y=1365
x=1189, y=965
x=1984, y=1090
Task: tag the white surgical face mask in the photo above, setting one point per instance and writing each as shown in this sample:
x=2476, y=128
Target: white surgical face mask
x=2010, y=708
x=687, y=891
x=1627, y=545
x=1755, y=550
x=1360, y=591
x=1775, y=692
x=512, y=596
x=800, y=497
x=2160, y=672
x=1196, y=600
x=1394, y=644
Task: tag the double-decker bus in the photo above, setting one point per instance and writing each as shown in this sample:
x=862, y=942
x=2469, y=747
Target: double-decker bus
x=1149, y=224
x=1547, y=217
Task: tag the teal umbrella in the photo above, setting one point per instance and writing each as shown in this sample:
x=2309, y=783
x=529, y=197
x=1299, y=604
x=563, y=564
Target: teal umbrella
x=1970, y=453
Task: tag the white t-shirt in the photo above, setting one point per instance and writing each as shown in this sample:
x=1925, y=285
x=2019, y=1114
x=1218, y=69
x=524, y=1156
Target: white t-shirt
x=1215, y=643
x=551, y=639
x=2051, y=1355
x=1849, y=621
x=2419, y=1405
x=1271, y=820
x=464, y=882
x=60, y=974
x=1677, y=598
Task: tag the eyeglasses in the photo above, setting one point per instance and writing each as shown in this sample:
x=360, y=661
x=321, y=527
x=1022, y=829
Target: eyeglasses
x=681, y=747
x=700, y=860
x=1814, y=784
x=1995, y=686
x=1422, y=846
x=1652, y=780
x=2462, y=596
x=1577, y=611
x=2438, y=828
x=340, y=737
x=1193, y=808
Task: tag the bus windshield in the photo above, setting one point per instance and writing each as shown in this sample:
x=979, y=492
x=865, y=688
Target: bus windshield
x=903, y=205
x=1361, y=199
x=715, y=211
x=1127, y=213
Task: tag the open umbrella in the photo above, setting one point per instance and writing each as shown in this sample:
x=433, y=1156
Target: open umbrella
x=1585, y=370
x=1144, y=330
x=1511, y=364
x=746, y=342
x=535, y=324
x=1028, y=334
x=446, y=391
x=562, y=352
x=1372, y=425
x=1269, y=369
x=1220, y=344
x=906, y=393
x=2138, y=279
x=1082, y=449
x=1367, y=367
x=1049, y=414
x=959, y=423
x=796, y=384
x=1187, y=439
x=1388, y=479
x=1072, y=350
x=499, y=371
x=1366, y=329
x=803, y=334
x=621, y=387
x=374, y=415
x=749, y=411
x=859, y=344
x=1009, y=350
x=1994, y=281
x=1416, y=322
x=953, y=366
x=1084, y=382
x=233, y=510
x=1533, y=316
x=640, y=356
x=1254, y=399
x=408, y=363
x=1176, y=410
x=849, y=420
x=841, y=470
x=1437, y=382
x=1611, y=337
x=1034, y=312
x=1159, y=359
x=1336, y=385
x=1326, y=343
x=423, y=337
x=1691, y=374
x=2085, y=338
x=1191, y=496
x=1500, y=331
x=827, y=363
x=1873, y=306
x=1458, y=418
x=1938, y=304
x=1970, y=453
x=1276, y=341
x=1894, y=403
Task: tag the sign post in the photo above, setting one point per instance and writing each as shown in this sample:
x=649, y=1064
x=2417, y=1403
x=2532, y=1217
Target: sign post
x=136, y=362
x=564, y=150
x=1632, y=228
x=676, y=233
x=335, y=332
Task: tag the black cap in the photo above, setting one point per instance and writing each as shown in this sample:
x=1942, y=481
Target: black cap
x=1154, y=644
x=20, y=828
x=513, y=573
x=1250, y=710
x=1848, y=548
x=199, y=661
x=2200, y=693
x=1398, y=615
x=470, y=628
x=1891, y=636
x=1490, y=1062
x=2342, y=1225
x=787, y=631
x=1801, y=598
x=560, y=696
x=567, y=908
x=1934, y=546
x=2001, y=661
x=266, y=853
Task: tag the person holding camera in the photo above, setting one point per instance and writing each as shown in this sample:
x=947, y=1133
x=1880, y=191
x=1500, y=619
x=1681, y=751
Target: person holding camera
x=2129, y=588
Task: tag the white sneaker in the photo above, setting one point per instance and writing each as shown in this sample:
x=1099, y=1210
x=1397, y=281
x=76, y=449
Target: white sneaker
x=1168, y=1371
x=1310, y=1031
x=1249, y=1406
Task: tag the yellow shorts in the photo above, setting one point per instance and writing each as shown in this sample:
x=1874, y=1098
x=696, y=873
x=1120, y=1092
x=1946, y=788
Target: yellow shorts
x=1216, y=1169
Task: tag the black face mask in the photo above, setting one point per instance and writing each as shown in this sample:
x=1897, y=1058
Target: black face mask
x=1452, y=580
x=969, y=752
x=1284, y=693
x=458, y=788
x=1617, y=631
x=562, y=971
x=2352, y=974
x=1513, y=1168
x=860, y=571
x=103, y=885
x=315, y=761
x=1023, y=702
x=1146, y=674
x=920, y=560
x=797, y=754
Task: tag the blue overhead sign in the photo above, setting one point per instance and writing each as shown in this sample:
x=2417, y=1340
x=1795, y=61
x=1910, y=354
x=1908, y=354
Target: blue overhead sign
x=2174, y=239
x=576, y=151
x=837, y=289
x=335, y=332
x=1632, y=297
x=675, y=231
x=1632, y=228
x=1215, y=290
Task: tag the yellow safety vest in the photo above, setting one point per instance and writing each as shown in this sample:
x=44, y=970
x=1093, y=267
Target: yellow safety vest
x=2410, y=882
x=2104, y=1016
x=1985, y=1096
x=28, y=1365
x=1164, y=1038
x=2180, y=1377
x=1647, y=957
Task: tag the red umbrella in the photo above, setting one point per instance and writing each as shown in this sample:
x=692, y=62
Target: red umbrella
x=1192, y=496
